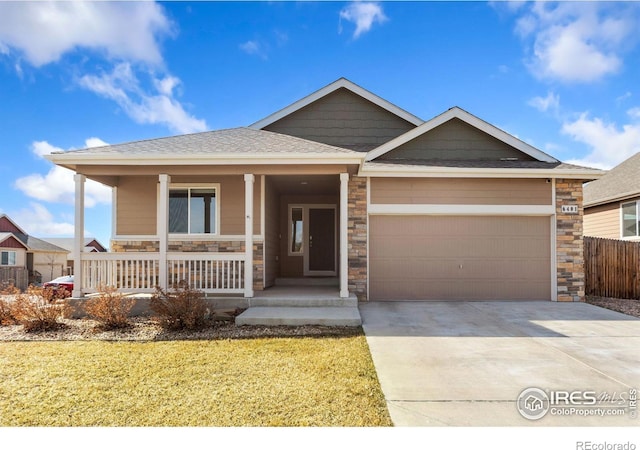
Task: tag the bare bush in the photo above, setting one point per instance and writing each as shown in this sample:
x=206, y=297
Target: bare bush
x=6, y=312
x=40, y=309
x=7, y=293
x=182, y=308
x=8, y=289
x=110, y=308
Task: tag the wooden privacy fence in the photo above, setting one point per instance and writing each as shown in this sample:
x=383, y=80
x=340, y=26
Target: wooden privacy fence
x=16, y=276
x=612, y=268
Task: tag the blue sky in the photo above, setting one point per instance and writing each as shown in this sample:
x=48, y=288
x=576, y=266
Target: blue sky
x=561, y=76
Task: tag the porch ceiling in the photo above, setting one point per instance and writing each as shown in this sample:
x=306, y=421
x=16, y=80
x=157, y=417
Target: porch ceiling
x=306, y=184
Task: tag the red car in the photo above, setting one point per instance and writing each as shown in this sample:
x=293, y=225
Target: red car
x=65, y=282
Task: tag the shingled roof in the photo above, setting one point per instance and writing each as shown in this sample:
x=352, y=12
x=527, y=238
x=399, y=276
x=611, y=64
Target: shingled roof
x=221, y=142
x=621, y=182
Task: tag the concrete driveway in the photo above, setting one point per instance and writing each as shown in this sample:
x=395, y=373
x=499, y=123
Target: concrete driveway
x=466, y=363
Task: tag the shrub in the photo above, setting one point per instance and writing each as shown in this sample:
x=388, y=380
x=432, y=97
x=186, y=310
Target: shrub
x=110, y=308
x=7, y=294
x=181, y=308
x=39, y=309
x=8, y=289
x=6, y=312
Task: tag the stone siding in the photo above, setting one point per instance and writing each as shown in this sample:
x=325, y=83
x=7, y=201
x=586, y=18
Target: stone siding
x=357, y=237
x=569, y=244
x=135, y=246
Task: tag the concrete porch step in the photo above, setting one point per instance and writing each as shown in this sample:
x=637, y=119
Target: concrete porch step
x=295, y=316
x=308, y=281
x=306, y=301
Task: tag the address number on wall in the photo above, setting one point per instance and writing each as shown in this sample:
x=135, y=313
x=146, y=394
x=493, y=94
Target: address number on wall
x=569, y=209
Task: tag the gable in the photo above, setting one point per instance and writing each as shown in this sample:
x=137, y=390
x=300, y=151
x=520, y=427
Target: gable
x=7, y=226
x=95, y=246
x=456, y=140
x=11, y=242
x=620, y=183
x=344, y=119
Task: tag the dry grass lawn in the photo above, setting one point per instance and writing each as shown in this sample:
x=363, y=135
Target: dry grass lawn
x=313, y=381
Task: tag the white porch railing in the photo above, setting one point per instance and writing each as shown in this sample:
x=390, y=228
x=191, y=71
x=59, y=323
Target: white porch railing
x=139, y=272
x=220, y=272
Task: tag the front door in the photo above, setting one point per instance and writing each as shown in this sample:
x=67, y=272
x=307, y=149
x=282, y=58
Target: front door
x=321, y=241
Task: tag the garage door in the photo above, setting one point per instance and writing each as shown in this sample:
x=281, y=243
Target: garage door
x=459, y=258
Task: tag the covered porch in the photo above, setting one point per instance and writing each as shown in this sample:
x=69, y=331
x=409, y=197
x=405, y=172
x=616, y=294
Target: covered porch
x=284, y=213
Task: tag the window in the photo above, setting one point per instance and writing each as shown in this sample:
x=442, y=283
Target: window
x=8, y=259
x=193, y=210
x=630, y=219
x=295, y=230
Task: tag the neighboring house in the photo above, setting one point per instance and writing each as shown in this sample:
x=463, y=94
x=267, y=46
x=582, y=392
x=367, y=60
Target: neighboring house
x=26, y=259
x=91, y=245
x=340, y=184
x=611, y=202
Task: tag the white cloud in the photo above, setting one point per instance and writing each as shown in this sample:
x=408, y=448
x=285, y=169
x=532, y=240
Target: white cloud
x=123, y=87
x=622, y=98
x=58, y=186
x=37, y=220
x=363, y=15
x=609, y=143
x=127, y=33
x=254, y=48
x=544, y=104
x=578, y=41
x=41, y=32
x=634, y=113
x=95, y=142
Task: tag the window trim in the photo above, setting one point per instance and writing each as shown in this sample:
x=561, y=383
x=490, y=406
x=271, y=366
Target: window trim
x=289, y=230
x=622, y=205
x=8, y=252
x=189, y=187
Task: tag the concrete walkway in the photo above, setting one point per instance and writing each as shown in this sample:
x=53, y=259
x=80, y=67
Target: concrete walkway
x=466, y=363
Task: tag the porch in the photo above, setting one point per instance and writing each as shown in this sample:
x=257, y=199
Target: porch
x=291, y=228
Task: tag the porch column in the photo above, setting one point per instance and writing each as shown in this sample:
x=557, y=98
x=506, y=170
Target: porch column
x=163, y=229
x=248, y=234
x=344, y=235
x=78, y=241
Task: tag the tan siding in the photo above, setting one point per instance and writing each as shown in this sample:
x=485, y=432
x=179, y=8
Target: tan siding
x=461, y=191
x=50, y=265
x=21, y=255
x=602, y=221
x=137, y=200
x=459, y=257
x=455, y=140
x=272, y=231
x=136, y=206
x=344, y=119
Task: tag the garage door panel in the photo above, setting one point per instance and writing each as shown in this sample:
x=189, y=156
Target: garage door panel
x=453, y=290
x=459, y=257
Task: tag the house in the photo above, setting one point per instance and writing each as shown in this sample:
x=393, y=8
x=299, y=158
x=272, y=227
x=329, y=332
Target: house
x=611, y=202
x=91, y=245
x=25, y=259
x=340, y=185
